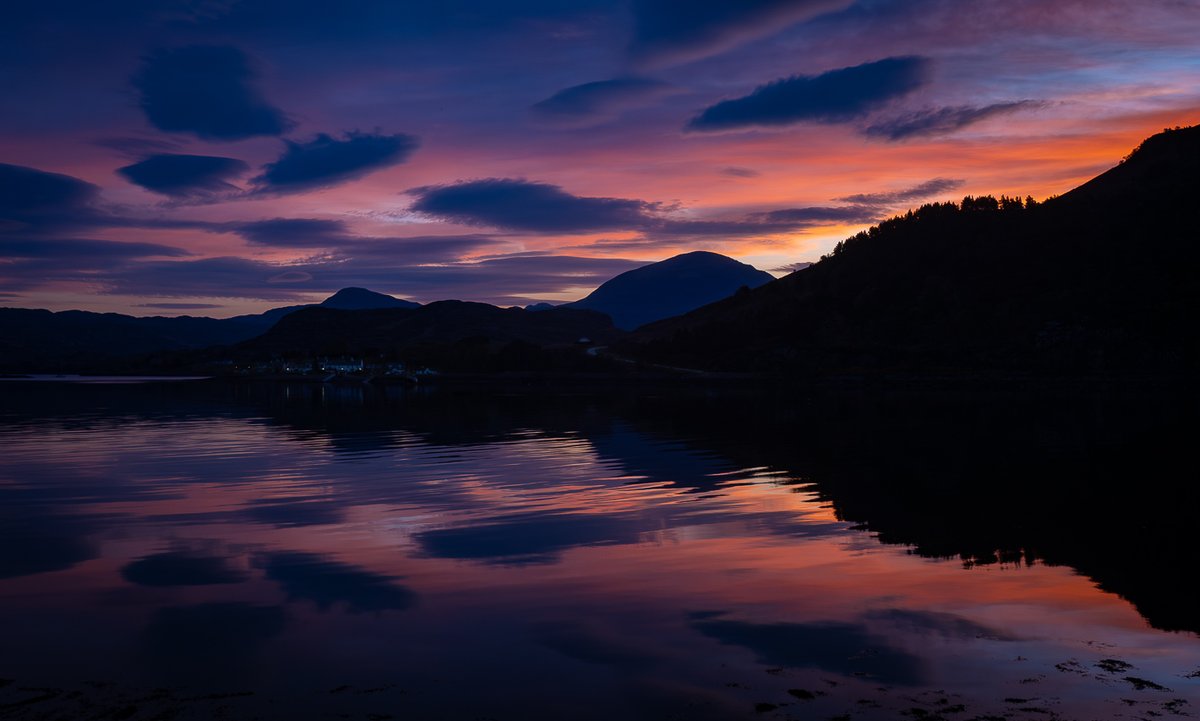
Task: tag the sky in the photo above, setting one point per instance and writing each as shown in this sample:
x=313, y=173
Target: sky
x=218, y=157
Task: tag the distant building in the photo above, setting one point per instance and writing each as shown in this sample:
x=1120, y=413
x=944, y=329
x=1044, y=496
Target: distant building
x=298, y=367
x=342, y=366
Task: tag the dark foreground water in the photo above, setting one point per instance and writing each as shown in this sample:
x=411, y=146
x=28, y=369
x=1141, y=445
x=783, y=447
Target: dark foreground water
x=207, y=551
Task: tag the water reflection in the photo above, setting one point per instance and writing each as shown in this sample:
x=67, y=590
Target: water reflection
x=175, y=568
x=845, y=649
x=314, y=578
x=210, y=642
x=321, y=550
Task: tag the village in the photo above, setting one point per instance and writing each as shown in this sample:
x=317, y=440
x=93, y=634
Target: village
x=329, y=370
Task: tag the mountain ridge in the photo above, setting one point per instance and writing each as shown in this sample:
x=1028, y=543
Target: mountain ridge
x=355, y=298
x=44, y=340
x=670, y=287
x=1099, y=280
x=447, y=335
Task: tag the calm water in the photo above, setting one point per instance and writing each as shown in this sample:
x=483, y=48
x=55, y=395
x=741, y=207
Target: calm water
x=200, y=551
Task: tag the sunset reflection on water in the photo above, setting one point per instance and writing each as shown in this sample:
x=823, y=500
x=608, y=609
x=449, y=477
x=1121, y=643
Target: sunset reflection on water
x=478, y=556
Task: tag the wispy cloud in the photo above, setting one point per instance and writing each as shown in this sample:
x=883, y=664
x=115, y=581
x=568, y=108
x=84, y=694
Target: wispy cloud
x=942, y=121
x=932, y=187
x=668, y=32
x=597, y=102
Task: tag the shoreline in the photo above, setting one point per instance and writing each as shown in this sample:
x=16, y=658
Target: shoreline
x=699, y=380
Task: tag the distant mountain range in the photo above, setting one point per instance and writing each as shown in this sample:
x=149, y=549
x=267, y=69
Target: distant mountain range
x=1104, y=279
x=1101, y=280
x=39, y=340
x=344, y=299
x=448, y=334
x=476, y=336
x=671, y=287
x=76, y=340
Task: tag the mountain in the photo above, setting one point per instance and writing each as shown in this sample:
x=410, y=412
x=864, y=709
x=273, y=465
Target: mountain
x=74, y=340
x=344, y=299
x=671, y=287
x=363, y=299
x=448, y=335
x=1103, y=279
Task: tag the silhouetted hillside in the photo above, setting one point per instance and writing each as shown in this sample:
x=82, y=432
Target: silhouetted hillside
x=73, y=340
x=988, y=478
x=344, y=299
x=363, y=299
x=449, y=334
x=671, y=287
x=76, y=340
x=1103, y=279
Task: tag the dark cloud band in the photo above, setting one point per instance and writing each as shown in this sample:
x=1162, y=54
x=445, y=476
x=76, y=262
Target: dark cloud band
x=181, y=176
x=523, y=205
x=292, y=232
x=325, y=160
x=833, y=97
x=207, y=90
x=32, y=196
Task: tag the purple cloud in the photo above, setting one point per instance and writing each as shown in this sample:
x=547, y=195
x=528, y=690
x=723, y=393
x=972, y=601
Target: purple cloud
x=292, y=232
x=932, y=187
x=206, y=90
x=31, y=198
x=181, y=176
x=600, y=101
x=943, y=121
x=832, y=97
x=823, y=215
x=523, y=205
x=325, y=160
x=667, y=32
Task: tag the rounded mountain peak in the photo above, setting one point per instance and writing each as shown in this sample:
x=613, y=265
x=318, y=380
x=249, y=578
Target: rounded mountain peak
x=671, y=287
x=362, y=299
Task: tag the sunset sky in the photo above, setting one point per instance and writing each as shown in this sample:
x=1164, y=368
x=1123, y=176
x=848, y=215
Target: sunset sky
x=216, y=157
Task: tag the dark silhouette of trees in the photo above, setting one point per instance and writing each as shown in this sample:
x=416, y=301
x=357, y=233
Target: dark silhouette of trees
x=1101, y=280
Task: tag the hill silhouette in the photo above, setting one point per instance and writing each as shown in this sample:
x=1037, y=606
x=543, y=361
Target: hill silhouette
x=76, y=340
x=671, y=287
x=363, y=299
x=448, y=335
x=1100, y=280
x=33, y=340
